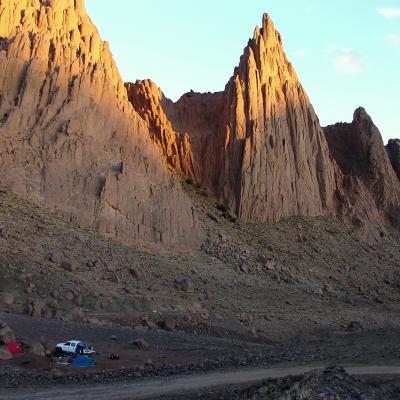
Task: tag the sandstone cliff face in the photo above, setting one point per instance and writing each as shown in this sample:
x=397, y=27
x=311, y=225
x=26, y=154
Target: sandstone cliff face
x=74, y=138
x=278, y=161
x=150, y=103
x=70, y=139
x=257, y=146
x=370, y=182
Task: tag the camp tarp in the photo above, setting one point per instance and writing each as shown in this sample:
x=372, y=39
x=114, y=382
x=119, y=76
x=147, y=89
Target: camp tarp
x=83, y=362
x=14, y=348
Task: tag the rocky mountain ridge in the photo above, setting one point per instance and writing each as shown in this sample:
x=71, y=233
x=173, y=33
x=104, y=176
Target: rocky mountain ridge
x=259, y=148
x=370, y=179
x=108, y=156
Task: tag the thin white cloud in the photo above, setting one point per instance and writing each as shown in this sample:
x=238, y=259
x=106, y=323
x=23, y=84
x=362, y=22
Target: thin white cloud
x=389, y=12
x=347, y=61
x=393, y=39
x=309, y=9
x=300, y=53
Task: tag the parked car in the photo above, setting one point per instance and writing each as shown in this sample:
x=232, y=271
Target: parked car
x=72, y=346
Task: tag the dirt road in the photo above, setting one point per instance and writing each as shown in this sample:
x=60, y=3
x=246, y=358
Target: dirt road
x=153, y=388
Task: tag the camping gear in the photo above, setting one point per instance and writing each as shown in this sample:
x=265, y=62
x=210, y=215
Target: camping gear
x=71, y=348
x=15, y=348
x=83, y=362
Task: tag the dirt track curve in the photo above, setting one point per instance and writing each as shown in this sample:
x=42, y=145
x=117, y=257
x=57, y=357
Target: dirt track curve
x=151, y=389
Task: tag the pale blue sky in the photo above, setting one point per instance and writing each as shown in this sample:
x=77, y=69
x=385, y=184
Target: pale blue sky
x=346, y=52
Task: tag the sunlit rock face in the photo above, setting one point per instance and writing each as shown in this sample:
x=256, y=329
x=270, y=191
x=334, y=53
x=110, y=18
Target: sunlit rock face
x=259, y=148
x=69, y=137
x=106, y=155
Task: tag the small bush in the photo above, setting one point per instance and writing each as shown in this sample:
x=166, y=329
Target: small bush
x=223, y=208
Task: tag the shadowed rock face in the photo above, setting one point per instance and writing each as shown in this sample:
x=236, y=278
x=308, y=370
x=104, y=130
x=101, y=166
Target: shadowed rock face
x=393, y=149
x=363, y=160
x=70, y=139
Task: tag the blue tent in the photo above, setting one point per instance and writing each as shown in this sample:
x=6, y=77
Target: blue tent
x=83, y=362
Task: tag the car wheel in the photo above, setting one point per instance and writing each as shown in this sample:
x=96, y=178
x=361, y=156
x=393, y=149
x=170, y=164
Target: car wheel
x=58, y=352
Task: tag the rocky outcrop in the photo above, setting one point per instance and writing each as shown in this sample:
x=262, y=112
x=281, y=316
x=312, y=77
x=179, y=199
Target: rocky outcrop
x=149, y=101
x=258, y=146
x=77, y=140
x=6, y=334
x=393, y=149
x=69, y=137
x=277, y=159
x=370, y=182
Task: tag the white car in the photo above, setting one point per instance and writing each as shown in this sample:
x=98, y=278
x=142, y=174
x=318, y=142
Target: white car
x=71, y=347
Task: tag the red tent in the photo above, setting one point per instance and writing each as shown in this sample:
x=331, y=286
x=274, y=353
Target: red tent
x=15, y=348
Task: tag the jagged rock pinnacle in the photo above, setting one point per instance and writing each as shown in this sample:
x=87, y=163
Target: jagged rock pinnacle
x=259, y=148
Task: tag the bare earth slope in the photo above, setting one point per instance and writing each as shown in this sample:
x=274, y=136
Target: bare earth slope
x=69, y=138
x=249, y=280
x=304, y=290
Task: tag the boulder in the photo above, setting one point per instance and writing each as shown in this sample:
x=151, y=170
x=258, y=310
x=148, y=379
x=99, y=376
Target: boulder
x=6, y=333
x=270, y=265
x=6, y=298
x=69, y=296
x=355, y=326
x=55, y=258
x=185, y=284
x=38, y=350
x=169, y=324
x=3, y=232
x=136, y=273
x=68, y=266
x=244, y=268
x=35, y=308
x=111, y=268
x=150, y=325
x=5, y=354
x=141, y=344
x=77, y=315
x=24, y=278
